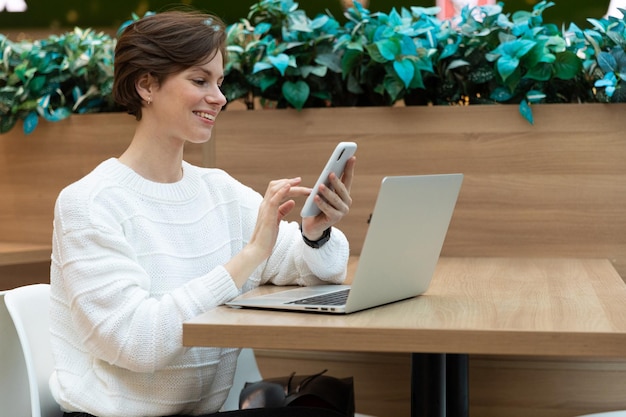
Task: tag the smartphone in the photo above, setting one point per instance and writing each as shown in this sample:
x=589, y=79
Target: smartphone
x=336, y=163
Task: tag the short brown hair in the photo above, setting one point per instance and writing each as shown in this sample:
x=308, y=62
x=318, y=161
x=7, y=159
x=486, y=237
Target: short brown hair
x=161, y=45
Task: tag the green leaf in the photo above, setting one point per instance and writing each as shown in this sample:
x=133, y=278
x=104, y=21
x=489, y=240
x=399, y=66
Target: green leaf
x=374, y=53
x=393, y=87
x=317, y=70
x=567, y=65
x=540, y=72
x=330, y=61
x=296, y=93
x=7, y=122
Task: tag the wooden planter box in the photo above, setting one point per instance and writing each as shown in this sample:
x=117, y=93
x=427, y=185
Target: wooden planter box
x=556, y=188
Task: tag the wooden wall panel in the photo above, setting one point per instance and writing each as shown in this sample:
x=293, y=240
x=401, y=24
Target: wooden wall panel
x=556, y=188
x=499, y=386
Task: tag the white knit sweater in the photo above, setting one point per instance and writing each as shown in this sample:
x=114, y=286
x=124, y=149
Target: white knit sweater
x=131, y=261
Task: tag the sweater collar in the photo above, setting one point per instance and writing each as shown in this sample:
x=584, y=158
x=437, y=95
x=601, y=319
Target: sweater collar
x=182, y=190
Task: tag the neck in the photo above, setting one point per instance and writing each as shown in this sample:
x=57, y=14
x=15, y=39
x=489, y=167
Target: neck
x=154, y=160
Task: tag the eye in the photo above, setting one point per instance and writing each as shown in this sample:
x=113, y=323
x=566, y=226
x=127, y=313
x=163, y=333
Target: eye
x=199, y=81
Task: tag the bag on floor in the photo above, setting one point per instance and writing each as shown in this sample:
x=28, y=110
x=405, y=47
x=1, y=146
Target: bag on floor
x=316, y=390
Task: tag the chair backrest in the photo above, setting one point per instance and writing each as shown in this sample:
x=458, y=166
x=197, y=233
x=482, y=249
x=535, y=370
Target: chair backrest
x=28, y=307
x=14, y=392
x=247, y=371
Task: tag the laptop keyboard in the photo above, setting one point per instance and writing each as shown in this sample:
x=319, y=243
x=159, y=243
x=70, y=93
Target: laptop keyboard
x=337, y=298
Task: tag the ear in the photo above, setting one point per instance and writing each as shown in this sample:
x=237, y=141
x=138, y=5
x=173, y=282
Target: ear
x=145, y=86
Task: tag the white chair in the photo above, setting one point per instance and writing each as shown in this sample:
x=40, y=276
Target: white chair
x=14, y=392
x=247, y=371
x=28, y=308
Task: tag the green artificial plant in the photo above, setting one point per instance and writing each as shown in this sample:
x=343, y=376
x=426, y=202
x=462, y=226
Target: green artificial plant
x=284, y=58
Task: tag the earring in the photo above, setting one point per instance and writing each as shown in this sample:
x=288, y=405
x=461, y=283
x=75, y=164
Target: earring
x=149, y=100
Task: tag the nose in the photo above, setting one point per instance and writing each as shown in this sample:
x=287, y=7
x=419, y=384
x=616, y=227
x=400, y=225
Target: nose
x=216, y=97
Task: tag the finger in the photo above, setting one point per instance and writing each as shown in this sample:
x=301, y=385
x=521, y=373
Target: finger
x=331, y=204
x=338, y=194
x=285, y=208
x=300, y=191
x=348, y=173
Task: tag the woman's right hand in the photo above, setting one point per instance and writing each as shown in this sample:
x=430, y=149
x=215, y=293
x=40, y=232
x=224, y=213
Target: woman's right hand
x=277, y=203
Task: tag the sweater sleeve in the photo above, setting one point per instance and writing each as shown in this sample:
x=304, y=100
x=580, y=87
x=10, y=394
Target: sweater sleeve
x=292, y=262
x=108, y=293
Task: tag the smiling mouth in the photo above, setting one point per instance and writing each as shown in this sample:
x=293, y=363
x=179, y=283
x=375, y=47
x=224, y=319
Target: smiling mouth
x=204, y=115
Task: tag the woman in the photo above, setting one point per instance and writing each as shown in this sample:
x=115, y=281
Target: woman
x=147, y=241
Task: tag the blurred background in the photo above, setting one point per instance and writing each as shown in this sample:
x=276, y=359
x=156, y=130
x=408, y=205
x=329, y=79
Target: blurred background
x=63, y=14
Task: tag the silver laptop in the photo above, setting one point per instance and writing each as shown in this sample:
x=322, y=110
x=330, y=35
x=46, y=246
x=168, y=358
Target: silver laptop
x=401, y=249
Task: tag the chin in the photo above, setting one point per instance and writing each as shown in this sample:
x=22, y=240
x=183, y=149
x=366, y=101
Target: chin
x=200, y=138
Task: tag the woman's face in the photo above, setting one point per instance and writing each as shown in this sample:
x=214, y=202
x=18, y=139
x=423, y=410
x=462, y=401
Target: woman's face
x=186, y=105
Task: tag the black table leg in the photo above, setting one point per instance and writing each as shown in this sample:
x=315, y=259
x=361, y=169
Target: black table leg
x=439, y=385
x=428, y=392
x=457, y=385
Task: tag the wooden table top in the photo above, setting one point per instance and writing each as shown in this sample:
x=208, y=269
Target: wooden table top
x=513, y=306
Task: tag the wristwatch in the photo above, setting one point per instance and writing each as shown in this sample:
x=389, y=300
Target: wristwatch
x=316, y=244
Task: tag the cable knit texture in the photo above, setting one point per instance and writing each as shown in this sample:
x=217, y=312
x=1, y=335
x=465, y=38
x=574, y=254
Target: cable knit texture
x=132, y=260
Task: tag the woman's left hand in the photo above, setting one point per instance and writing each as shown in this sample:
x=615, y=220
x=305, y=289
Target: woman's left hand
x=334, y=203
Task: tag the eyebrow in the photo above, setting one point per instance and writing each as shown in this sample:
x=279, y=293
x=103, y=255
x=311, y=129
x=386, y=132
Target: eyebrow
x=209, y=73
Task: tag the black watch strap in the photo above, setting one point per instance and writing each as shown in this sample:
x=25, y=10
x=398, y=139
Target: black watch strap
x=316, y=244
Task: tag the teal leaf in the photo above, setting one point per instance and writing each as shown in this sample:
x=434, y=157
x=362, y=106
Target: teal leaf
x=535, y=96
x=280, y=62
x=30, y=122
x=296, y=93
x=54, y=115
x=501, y=95
x=526, y=111
x=449, y=50
x=407, y=46
x=261, y=66
x=330, y=61
x=388, y=48
x=609, y=80
x=262, y=28
x=607, y=62
x=405, y=71
x=506, y=66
